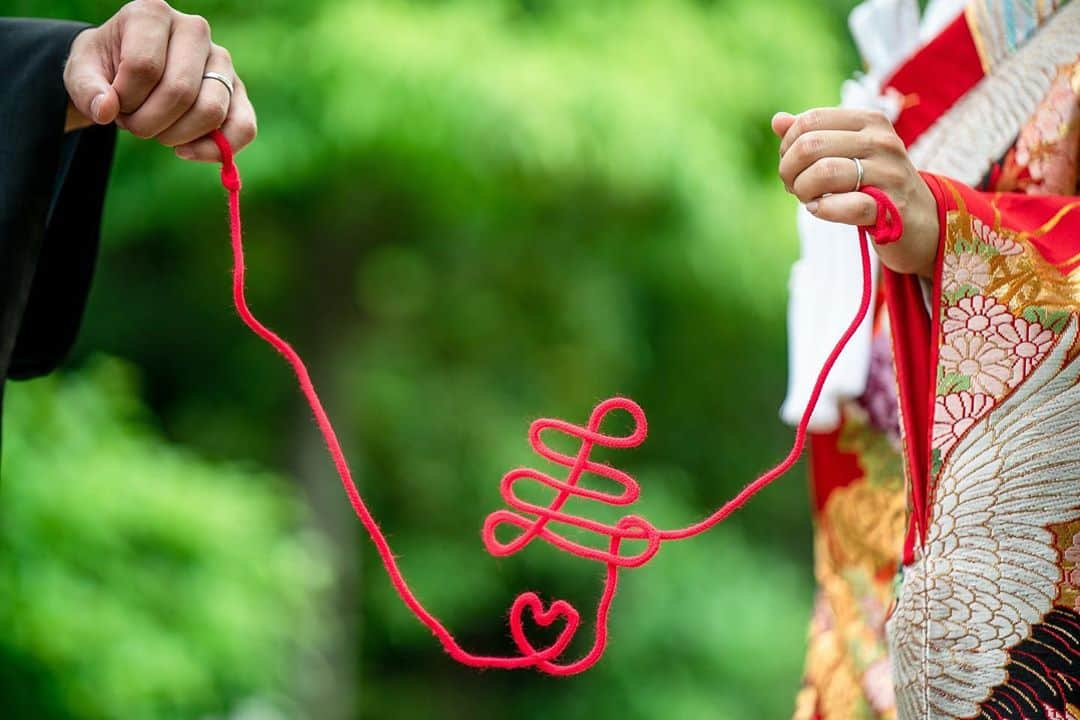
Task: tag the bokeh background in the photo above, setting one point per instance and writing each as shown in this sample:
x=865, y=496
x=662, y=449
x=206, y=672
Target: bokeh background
x=466, y=214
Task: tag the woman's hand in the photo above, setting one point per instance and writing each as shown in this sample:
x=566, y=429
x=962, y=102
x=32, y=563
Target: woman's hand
x=144, y=70
x=816, y=165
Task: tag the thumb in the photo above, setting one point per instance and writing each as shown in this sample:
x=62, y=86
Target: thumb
x=88, y=84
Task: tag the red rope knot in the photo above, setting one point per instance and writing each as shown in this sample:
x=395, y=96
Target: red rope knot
x=553, y=522
x=534, y=521
x=230, y=176
x=888, y=226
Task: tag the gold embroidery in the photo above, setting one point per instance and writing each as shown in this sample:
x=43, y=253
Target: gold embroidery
x=1052, y=222
x=857, y=545
x=1066, y=540
x=1028, y=279
x=1023, y=280
x=865, y=523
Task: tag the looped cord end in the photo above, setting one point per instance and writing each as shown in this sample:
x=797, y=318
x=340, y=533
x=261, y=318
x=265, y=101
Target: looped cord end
x=230, y=176
x=889, y=226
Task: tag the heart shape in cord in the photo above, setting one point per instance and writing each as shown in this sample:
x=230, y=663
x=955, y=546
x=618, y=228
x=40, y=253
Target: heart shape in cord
x=544, y=617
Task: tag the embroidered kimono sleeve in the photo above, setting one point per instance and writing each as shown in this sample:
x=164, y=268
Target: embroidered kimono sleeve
x=990, y=605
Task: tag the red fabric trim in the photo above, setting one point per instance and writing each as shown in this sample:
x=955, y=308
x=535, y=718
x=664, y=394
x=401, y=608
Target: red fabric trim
x=914, y=340
x=933, y=79
x=830, y=467
x=1061, y=245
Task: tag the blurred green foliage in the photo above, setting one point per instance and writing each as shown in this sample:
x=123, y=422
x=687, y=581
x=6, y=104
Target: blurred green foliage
x=465, y=215
x=137, y=580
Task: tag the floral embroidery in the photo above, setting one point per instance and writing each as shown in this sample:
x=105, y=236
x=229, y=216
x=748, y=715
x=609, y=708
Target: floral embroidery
x=1047, y=144
x=859, y=530
x=978, y=358
x=1025, y=342
x=954, y=414
x=978, y=314
x=964, y=270
x=983, y=233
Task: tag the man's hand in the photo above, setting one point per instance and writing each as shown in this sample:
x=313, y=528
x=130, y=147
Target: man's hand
x=816, y=151
x=143, y=70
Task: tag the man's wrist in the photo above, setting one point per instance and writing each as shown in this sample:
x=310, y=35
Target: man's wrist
x=74, y=119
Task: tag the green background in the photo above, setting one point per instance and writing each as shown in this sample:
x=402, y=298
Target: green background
x=465, y=215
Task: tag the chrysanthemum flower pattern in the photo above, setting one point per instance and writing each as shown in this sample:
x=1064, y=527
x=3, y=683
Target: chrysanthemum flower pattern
x=979, y=315
x=1025, y=343
x=978, y=358
x=987, y=348
x=995, y=239
x=964, y=269
x=955, y=413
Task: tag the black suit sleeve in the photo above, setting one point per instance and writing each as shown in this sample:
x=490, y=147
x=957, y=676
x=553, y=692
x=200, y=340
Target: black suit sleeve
x=52, y=187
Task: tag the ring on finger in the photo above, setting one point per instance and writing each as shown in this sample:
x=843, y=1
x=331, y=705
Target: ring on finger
x=858, y=174
x=210, y=75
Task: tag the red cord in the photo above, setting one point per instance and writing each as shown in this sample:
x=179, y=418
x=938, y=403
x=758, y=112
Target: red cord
x=531, y=519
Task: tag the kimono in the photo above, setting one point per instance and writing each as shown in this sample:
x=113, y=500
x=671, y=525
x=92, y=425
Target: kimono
x=947, y=500
x=52, y=188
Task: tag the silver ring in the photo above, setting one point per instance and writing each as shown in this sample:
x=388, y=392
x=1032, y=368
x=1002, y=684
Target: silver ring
x=859, y=171
x=221, y=79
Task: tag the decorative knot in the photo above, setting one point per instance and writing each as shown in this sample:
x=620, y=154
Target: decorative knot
x=888, y=227
x=230, y=177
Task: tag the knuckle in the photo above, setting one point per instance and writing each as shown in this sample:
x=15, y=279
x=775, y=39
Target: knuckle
x=880, y=141
x=138, y=128
x=181, y=91
x=247, y=131
x=876, y=140
x=831, y=168
x=866, y=143
x=894, y=144
x=804, y=190
x=810, y=146
x=876, y=117
x=145, y=67
x=199, y=24
x=222, y=52
x=810, y=120
x=801, y=151
x=157, y=7
x=215, y=111
x=796, y=153
x=786, y=178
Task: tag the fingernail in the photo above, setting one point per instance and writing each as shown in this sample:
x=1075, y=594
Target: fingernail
x=185, y=153
x=95, y=106
x=812, y=206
